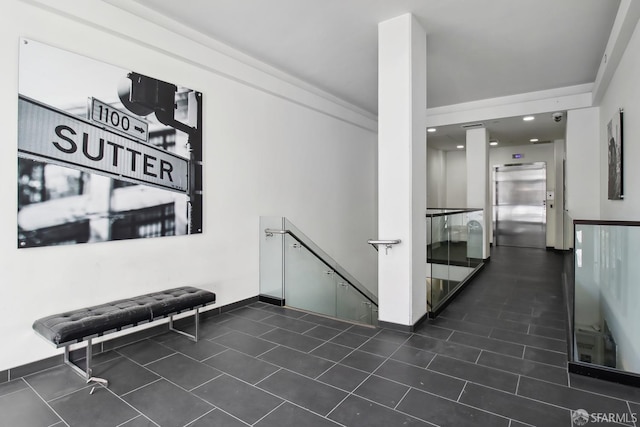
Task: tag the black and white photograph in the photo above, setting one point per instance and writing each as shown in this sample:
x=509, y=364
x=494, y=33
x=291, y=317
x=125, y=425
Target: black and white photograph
x=615, y=165
x=104, y=153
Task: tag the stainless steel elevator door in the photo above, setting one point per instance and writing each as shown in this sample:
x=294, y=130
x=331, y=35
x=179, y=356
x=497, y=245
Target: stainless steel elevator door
x=519, y=211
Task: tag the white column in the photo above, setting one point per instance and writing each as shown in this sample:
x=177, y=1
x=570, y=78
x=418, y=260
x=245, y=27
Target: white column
x=478, y=194
x=402, y=101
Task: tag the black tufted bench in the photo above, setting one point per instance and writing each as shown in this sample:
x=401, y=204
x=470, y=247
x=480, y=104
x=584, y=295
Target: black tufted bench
x=84, y=324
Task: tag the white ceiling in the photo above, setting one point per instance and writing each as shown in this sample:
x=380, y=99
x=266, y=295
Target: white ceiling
x=475, y=49
x=508, y=132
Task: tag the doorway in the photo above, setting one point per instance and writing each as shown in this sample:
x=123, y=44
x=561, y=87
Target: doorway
x=519, y=205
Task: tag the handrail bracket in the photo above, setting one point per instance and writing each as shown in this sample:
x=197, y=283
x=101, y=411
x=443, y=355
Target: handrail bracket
x=388, y=244
x=269, y=232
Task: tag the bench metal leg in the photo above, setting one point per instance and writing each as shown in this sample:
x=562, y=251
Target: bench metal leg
x=193, y=337
x=88, y=373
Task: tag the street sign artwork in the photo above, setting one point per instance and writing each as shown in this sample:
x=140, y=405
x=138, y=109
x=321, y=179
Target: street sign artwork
x=48, y=135
x=104, y=153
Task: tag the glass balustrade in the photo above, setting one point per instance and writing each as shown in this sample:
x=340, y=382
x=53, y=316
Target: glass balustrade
x=309, y=283
x=454, y=252
x=606, y=294
x=271, y=260
x=568, y=270
x=295, y=272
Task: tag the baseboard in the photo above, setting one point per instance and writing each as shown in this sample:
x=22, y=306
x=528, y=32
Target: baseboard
x=238, y=304
x=560, y=251
x=33, y=367
x=395, y=326
x=401, y=327
x=604, y=373
x=50, y=362
x=272, y=300
x=420, y=321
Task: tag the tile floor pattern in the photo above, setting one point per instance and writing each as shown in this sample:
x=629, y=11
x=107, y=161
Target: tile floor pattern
x=495, y=357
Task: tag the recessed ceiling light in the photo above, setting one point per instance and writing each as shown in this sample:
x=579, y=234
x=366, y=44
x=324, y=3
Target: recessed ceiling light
x=534, y=140
x=528, y=118
x=493, y=143
x=460, y=146
x=431, y=130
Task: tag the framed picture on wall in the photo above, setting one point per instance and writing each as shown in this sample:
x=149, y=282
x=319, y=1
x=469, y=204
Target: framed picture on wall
x=104, y=153
x=615, y=157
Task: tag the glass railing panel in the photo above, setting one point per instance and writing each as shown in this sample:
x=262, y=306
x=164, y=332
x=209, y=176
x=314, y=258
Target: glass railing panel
x=298, y=273
x=351, y=305
x=568, y=230
x=454, y=251
x=458, y=234
x=271, y=259
x=429, y=239
x=428, y=262
x=475, y=238
x=438, y=259
x=322, y=255
x=438, y=290
x=606, y=295
x=309, y=284
x=438, y=241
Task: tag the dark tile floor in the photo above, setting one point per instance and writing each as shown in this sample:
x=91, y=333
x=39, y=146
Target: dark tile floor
x=495, y=357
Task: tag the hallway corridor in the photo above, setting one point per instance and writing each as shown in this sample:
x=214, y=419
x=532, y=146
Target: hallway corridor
x=514, y=314
x=495, y=357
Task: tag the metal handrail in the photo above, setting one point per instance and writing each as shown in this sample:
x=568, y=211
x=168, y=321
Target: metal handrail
x=384, y=242
x=387, y=243
x=449, y=211
x=271, y=231
x=336, y=268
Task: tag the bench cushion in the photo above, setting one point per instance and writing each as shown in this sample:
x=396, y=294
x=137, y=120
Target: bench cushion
x=177, y=300
x=78, y=324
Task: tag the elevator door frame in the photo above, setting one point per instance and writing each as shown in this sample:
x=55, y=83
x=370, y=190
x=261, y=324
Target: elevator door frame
x=543, y=232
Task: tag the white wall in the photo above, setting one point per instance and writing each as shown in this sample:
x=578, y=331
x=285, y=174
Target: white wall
x=270, y=148
x=456, y=172
x=583, y=164
x=623, y=92
x=436, y=178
